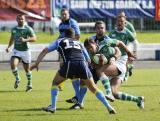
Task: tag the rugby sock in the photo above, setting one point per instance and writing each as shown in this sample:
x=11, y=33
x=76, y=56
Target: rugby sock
x=128, y=72
x=29, y=77
x=101, y=97
x=126, y=75
x=83, y=91
x=60, y=86
x=54, y=94
x=106, y=84
x=76, y=86
x=130, y=67
x=127, y=97
x=15, y=73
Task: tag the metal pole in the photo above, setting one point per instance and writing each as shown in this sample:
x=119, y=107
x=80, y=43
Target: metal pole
x=142, y=24
x=52, y=9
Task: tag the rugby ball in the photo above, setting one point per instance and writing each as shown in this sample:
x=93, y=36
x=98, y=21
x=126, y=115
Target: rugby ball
x=99, y=57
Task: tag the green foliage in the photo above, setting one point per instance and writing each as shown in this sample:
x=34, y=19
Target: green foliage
x=17, y=105
x=143, y=37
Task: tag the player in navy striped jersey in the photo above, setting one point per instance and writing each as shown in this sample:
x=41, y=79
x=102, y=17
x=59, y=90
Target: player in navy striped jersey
x=67, y=23
x=74, y=66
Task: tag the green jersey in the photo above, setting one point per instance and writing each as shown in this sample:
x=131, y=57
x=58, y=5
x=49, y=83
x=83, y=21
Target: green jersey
x=130, y=27
x=125, y=36
x=106, y=47
x=24, y=32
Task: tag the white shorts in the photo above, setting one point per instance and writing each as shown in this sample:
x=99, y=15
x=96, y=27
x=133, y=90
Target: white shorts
x=24, y=55
x=121, y=65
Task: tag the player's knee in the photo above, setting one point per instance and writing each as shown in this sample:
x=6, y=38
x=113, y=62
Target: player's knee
x=93, y=88
x=115, y=94
x=55, y=83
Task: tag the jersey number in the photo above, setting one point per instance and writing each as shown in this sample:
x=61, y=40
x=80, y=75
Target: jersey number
x=73, y=44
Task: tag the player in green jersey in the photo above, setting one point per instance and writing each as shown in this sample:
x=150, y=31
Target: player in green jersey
x=131, y=28
x=21, y=35
x=123, y=34
x=114, y=69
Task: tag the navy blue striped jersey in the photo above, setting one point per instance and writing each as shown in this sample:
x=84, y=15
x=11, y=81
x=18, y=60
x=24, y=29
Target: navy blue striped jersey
x=69, y=49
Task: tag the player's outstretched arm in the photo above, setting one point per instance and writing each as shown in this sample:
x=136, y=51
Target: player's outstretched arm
x=122, y=45
x=39, y=59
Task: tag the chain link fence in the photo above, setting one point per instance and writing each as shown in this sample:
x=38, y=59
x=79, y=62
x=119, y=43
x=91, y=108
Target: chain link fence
x=87, y=25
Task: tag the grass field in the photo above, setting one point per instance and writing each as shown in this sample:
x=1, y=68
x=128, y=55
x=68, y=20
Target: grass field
x=17, y=105
x=143, y=37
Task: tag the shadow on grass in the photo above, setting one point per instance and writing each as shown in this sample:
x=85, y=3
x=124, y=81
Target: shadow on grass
x=31, y=109
x=17, y=91
x=37, y=112
x=141, y=85
x=11, y=91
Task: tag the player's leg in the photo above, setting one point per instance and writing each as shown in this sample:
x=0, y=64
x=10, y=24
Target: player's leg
x=60, y=86
x=115, y=84
x=14, y=63
x=103, y=73
x=99, y=94
x=130, y=68
x=28, y=75
x=76, y=87
x=82, y=93
x=83, y=88
x=26, y=60
x=85, y=74
x=54, y=93
x=127, y=72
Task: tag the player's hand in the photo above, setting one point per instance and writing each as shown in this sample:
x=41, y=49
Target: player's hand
x=21, y=39
x=34, y=66
x=112, y=60
x=101, y=61
x=8, y=50
x=130, y=55
x=131, y=59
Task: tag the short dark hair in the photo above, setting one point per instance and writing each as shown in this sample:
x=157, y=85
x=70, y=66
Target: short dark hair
x=20, y=15
x=64, y=9
x=69, y=33
x=89, y=41
x=98, y=22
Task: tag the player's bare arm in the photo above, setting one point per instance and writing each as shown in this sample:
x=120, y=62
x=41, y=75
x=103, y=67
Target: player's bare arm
x=39, y=59
x=122, y=45
x=30, y=39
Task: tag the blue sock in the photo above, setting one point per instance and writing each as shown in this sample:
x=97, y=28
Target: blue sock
x=76, y=86
x=54, y=93
x=83, y=91
x=102, y=98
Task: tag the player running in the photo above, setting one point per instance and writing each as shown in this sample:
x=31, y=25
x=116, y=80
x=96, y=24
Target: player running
x=21, y=35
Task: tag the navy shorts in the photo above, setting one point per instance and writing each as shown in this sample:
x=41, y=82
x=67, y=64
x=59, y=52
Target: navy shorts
x=95, y=77
x=75, y=69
